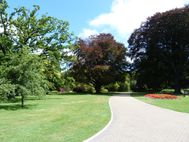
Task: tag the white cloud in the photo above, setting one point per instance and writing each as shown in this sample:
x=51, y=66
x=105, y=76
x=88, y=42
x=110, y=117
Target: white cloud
x=127, y=15
x=1, y=28
x=88, y=32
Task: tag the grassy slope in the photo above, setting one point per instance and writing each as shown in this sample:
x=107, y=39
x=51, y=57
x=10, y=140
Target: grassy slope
x=56, y=118
x=181, y=104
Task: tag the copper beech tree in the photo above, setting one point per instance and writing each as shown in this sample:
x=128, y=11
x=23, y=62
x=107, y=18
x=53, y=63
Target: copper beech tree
x=160, y=51
x=100, y=61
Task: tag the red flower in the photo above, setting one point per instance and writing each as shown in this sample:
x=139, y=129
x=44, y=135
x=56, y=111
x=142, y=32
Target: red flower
x=161, y=96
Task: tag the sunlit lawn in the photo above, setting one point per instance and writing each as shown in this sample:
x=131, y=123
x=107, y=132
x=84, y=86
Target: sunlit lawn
x=56, y=118
x=181, y=104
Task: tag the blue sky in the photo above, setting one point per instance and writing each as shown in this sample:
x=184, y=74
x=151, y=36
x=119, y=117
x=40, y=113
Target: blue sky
x=87, y=17
x=77, y=12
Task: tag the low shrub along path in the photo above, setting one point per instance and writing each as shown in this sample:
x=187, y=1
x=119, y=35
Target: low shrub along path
x=136, y=121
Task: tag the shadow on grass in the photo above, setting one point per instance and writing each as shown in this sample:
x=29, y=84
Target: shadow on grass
x=29, y=98
x=84, y=94
x=105, y=94
x=14, y=107
x=138, y=94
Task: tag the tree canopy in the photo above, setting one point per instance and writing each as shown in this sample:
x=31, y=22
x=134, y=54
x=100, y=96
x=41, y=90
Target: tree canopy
x=160, y=50
x=32, y=48
x=100, y=61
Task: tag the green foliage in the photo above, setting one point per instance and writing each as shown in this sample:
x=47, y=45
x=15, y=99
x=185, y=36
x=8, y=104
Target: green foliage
x=47, y=35
x=112, y=87
x=32, y=48
x=124, y=87
x=68, y=82
x=119, y=86
x=103, y=90
x=169, y=91
x=133, y=85
x=53, y=75
x=29, y=71
x=23, y=75
x=43, y=35
x=116, y=86
x=7, y=92
x=84, y=88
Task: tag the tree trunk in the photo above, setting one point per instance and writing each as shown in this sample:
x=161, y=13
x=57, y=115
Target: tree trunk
x=97, y=88
x=178, y=91
x=177, y=81
x=22, y=101
x=177, y=88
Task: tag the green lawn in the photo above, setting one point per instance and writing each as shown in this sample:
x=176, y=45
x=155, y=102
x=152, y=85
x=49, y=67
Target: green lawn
x=56, y=118
x=181, y=104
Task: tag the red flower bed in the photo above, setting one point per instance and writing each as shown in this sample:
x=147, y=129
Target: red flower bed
x=161, y=96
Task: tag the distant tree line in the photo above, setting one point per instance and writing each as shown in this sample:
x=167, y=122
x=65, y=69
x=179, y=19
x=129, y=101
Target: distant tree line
x=159, y=50
x=35, y=49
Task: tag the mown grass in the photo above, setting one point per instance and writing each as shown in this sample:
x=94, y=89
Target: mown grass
x=181, y=104
x=56, y=118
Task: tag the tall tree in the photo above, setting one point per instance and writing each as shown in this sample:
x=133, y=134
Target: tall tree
x=100, y=61
x=160, y=50
x=31, y=50
x=45, y=35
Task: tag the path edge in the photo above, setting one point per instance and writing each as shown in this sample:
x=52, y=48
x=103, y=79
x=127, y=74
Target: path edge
x=105, y=127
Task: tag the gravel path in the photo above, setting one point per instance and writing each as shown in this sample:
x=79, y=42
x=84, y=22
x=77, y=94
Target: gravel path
x=136, y=121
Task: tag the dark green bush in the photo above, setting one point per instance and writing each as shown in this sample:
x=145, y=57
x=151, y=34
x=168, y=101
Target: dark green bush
x=103, y=90
x=84, y=88
x=124, y=86
x=113, y=86
x=119, y=86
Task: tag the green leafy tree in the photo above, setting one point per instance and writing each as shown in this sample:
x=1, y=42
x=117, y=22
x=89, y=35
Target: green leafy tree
x=22, y=75
x=160, y=50
x=32, y=47
x=100, y=61
x=45, y=35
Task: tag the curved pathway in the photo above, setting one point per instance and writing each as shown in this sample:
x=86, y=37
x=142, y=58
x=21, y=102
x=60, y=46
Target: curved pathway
x=136, y=121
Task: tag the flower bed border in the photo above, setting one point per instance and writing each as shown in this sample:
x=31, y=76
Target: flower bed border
x=161, y=96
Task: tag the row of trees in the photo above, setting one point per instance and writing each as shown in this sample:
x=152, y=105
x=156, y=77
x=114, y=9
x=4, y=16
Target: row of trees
x=33, y=51
x=159, y=50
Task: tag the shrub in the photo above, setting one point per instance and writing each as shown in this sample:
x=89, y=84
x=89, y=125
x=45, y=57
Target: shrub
x=69, y=82
x=103, y=90
x=124, y=86
x=113, y=86
x=119, y=86
x=84, y=88
x=167, y=91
